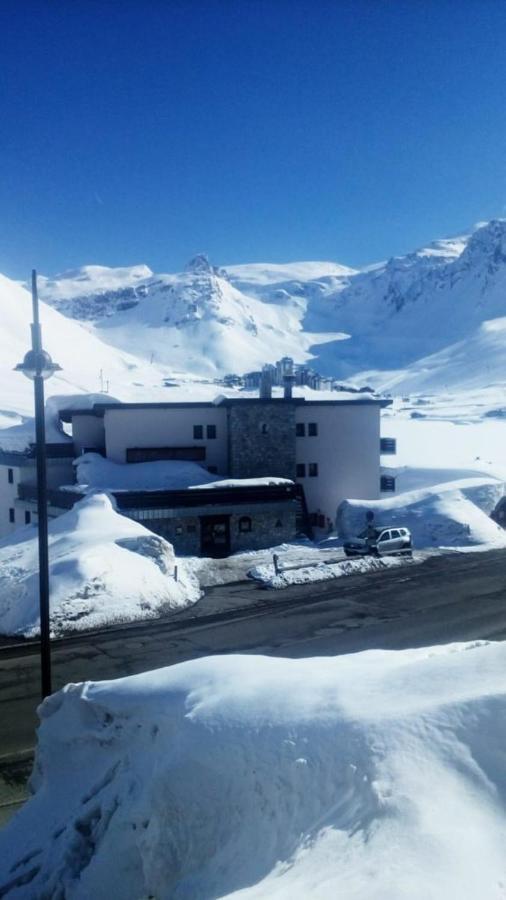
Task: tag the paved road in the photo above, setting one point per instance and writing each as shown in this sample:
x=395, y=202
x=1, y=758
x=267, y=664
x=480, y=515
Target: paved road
x=458, y=597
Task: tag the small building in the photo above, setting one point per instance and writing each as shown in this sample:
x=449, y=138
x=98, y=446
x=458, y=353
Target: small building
x=328, y=449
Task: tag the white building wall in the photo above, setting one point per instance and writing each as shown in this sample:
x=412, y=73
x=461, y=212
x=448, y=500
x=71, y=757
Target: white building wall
x=87, y=433
x=347, y=452
x=58, y=472
x=166, y=427
x=8, y=497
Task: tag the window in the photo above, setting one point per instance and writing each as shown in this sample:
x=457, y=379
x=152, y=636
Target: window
x=28, y=517
x=191, y=529
x=300, y=470
x=387, y=483
x=396, y=534
x=313, y=470
x=384, y=537
x=388, y=445
x=10, y=476
x=312, y=429
x=300, y=429
x=12, y=515
x=151, y=454
x=198, y=432
x=211, y=432
x=244, y=524
x=179, y=529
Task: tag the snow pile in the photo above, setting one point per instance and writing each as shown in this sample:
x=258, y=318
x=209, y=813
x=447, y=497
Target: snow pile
x=104, y=568
x=452, y=514
x=94, y=471
x=374, y=775
x=311, y=574
x=247, y=482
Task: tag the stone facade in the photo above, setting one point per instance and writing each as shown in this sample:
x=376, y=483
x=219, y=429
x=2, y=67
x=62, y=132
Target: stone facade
x=269, y=525
x=261, y=439
x=182, y=532
x=267, y=528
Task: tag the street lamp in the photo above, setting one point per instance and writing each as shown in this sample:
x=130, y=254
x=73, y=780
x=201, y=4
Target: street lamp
x=38, y=366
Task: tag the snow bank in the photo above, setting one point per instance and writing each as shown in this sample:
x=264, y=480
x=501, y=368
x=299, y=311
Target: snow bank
x=94, y=471
x=323, y=572
x=453, y=514
x=104, y=568
x=374, y=775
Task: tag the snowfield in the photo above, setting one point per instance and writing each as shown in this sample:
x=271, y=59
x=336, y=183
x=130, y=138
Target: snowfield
x=372, y=776
x=104, y=569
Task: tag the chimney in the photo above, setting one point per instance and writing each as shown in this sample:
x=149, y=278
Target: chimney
x=266, y=384
x=288, y=381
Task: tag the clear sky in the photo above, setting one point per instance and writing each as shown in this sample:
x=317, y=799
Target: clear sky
x=253, y=130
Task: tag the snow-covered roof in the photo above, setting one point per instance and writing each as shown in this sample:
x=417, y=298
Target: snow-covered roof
x=325, y=398
x=94, y=472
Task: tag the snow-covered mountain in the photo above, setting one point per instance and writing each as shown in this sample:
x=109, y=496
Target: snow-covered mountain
x=208, y=320
x=476, y=362
x=88, y=364
x=419, y=304
x=197, y=321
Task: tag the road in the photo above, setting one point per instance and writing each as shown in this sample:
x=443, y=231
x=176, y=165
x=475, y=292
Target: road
x=458, y=597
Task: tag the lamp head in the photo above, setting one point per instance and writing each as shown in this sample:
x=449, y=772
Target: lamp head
x=37, y=363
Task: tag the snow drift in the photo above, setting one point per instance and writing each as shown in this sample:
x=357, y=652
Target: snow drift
x=375, y=775
x=104, y=568
x=453, y=514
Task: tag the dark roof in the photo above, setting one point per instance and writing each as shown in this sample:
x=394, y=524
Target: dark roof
x=63, y=450
x=186, y=498
x=99, y=409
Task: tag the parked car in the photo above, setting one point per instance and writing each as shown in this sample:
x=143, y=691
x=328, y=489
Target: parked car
x=388, y=541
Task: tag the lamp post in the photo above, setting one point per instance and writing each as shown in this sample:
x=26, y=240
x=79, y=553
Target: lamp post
x=38, y=366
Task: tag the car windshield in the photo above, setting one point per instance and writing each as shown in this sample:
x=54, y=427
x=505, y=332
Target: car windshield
x=369, y=533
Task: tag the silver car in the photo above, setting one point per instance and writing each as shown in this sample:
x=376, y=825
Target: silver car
x=388, y=541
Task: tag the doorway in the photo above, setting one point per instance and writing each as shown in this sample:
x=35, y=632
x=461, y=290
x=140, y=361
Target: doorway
x=215, y=536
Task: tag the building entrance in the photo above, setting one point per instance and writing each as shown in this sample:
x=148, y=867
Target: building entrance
x=215, y=536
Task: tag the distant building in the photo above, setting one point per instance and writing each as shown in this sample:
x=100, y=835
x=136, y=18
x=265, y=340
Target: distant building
x=330, y=449
x=252, y=380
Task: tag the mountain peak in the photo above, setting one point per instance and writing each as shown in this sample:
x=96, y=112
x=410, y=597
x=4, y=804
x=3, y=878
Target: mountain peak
x=200, y=265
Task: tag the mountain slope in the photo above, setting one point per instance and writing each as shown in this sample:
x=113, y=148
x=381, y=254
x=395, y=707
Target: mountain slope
x=80, y=353
x=197, y=321
x=209, y=321
x=416, y=305
x=477, y=362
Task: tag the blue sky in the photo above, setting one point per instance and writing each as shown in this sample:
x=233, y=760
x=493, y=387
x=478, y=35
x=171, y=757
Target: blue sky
x=272, y=130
